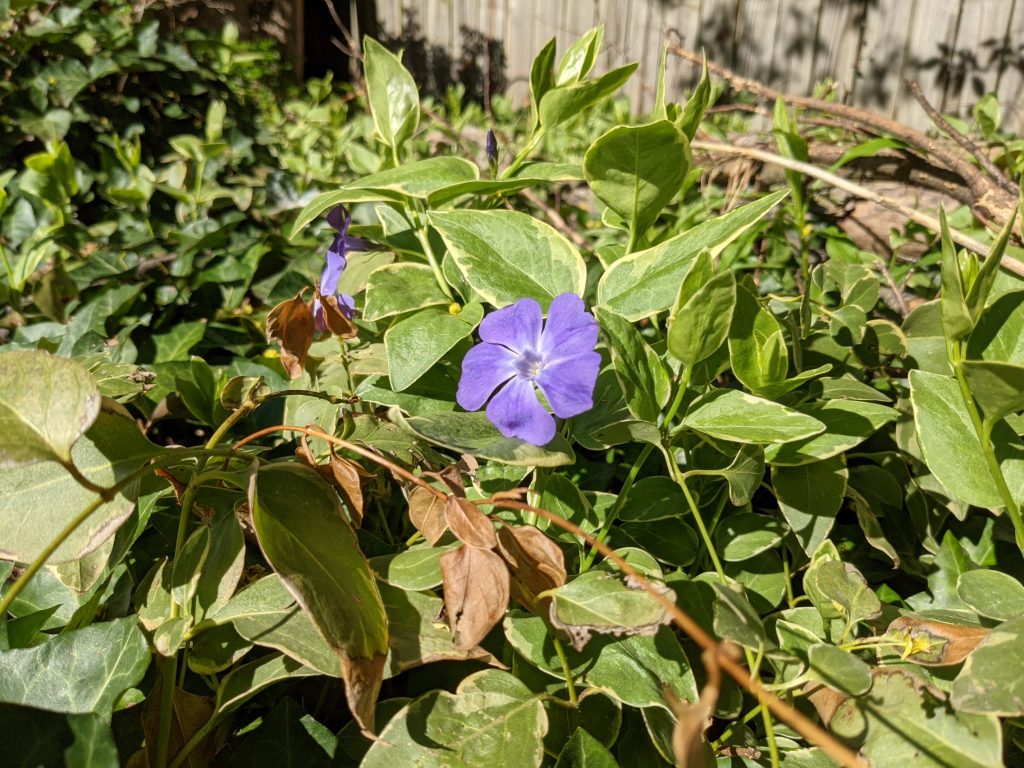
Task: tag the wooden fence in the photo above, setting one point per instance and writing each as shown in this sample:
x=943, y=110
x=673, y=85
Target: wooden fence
x=956, y=49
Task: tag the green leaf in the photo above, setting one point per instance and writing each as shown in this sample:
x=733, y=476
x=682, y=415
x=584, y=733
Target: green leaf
x=635, y=670
x=188, y=566
x=470, y=728
x=810, y=496
x=757, y=346
x=993, y=594
x=474, y=434
x=902, y=723
x=94, y=745
x=977, y=296
x=507, y=255
x=644, y=380
x=729, y=414
x=999, y=335
x=46, y=404
x=693, y=111
x=646, y=282
x=601, y=602
x=951, y=447
x=636, y=170
x=416, y=342
x=391, y=92
x=584, y=751
x=848, y=423
x=956, y=317
x=743, y=536
x=581, y=57
x=837, y=589
x=176, y=343
x=992, y=678
x=288, y=738
x=700, y=322
x=314, y=549
x=223, y=568
x=838, y=669
x=542, y=80
x=416, y=180
x=84, y=670
x=568, y=101
x=415, y=569
x=266, y=613
x=38, y=501
x=247, y=680
x=483, y=188
x=653, y=498
x=744, y=474
x=735, y=618
x=998, y=387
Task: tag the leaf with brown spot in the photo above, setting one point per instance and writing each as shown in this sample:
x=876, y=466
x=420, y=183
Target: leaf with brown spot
x=935, y=643
x=476, y=592
x=191, y=712
x=537, y=562
x=290, y=324
x=692, y=719
x=469, y=524
x=426, y=511
x=363, y=678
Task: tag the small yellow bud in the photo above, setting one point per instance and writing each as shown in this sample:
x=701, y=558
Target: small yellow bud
x=454, y=308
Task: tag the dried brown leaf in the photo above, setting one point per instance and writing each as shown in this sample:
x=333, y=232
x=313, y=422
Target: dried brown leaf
x=335, y=319
x=692, y=719
x=451, y=476
x=469, y=524
x=476, y=592
x=190, y=713
x=935, y=643
x=825, y=700
x=537, y=562
x=345, y=476
x=290, y=324
x=362, y=685
x=426, y=511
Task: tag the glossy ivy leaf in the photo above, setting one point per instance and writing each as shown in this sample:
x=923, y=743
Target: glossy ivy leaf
x=837, y=589
x=392, y=94
x=757, y=346
x=735, y=416
x=848, y=423
x=838, y=669
x=416, y=342
x=416, y=181
x=646, y=282
x=507, y=255
x=636, y=170
x=501, y=728
x=901, y=723
x=644, y=379
x=598, y=602
x=565, y=102
x=700, y=321
x=810, y=496
x=84, y=670
x=395, y=289
x=951, y=447
x=46, y=404
x=998, y=387
x=991, y=681
x=37, y=501
x=993, y=594
x=635, y=669
x=474, y=434
x=314, y=549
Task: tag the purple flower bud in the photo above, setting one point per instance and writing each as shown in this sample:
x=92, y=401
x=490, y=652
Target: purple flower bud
x=492, y=147
x=517, y=351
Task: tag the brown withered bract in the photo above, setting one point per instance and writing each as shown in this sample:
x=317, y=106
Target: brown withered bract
x=290, y=324
x=426, y=511
x=336, y=320
x=476, y=592
x=536, y=562
x=468, y=523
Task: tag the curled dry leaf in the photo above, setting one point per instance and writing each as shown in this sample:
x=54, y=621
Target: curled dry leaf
x=345, y=476
x=935, y=643
x=692, y=719
x=824, y=699
x=476, y=592
x=468, y=523
x=334, y=318
x=426, y=511
x=536, y=562
x=290, y=324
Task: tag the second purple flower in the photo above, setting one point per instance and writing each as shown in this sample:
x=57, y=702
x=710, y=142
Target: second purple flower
x=343, y=243
x=517, y=351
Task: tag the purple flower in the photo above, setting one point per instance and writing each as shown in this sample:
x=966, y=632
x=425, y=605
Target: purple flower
x=343, y=243
x=516, y=351
x=491, y=146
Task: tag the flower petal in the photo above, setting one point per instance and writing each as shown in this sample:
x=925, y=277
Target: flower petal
x=517, y=412
x=332, y=271
x=484, y=368
x=339, y=219
x=570, y=331
x=516, y=326
x=568, y=384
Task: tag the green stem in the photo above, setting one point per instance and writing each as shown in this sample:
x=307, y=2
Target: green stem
x=733, y=728
x=766, y=715
x=613, y=513
x=705, y=536
x=424, y=238
x=566, y=670
x=524, y=154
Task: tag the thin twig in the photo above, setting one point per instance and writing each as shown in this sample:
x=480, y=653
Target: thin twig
x=929, y=222
x=555, y=217
x=973, y=149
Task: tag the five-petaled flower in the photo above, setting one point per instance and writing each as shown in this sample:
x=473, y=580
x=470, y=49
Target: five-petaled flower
x=343, y=243
x=517, y=351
